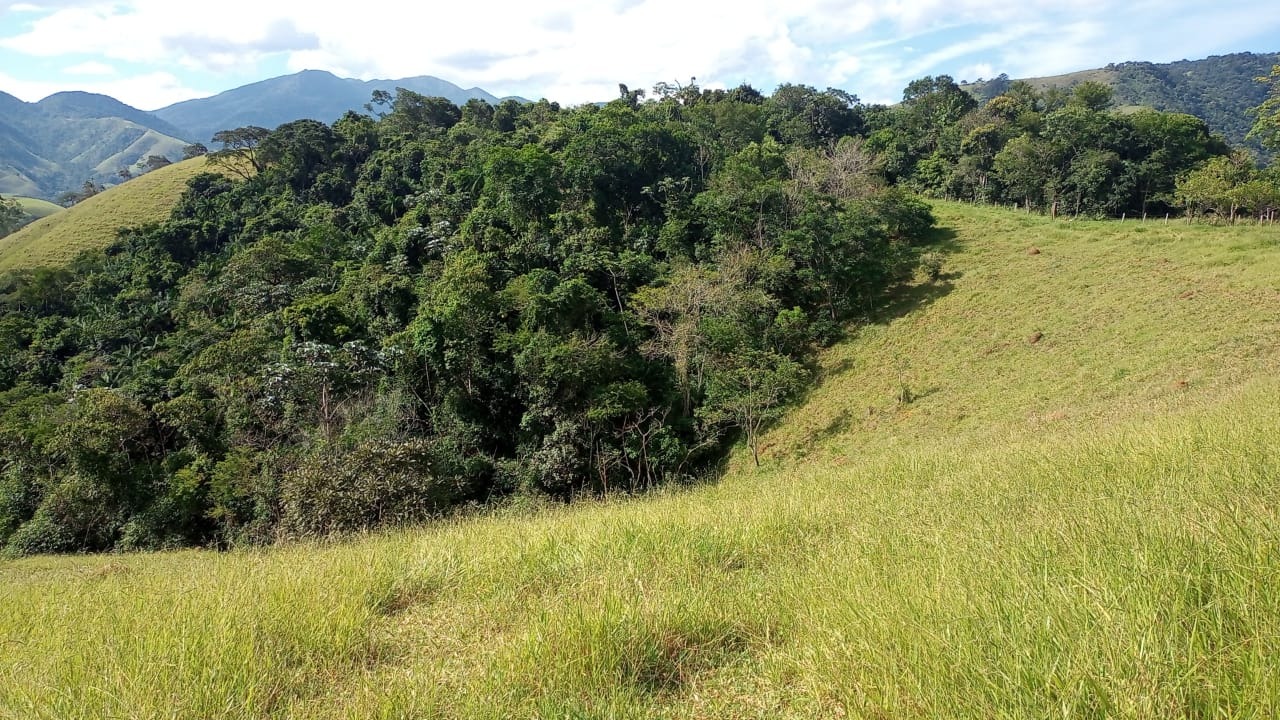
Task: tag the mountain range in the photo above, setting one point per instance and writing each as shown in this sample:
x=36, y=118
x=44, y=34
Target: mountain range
x=67, y=138
x=58, y=143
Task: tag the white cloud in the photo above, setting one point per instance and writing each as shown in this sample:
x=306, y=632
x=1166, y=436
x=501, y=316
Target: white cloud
x=92, y=67
x=578, y=50
x=148, y=92
x=981, y=71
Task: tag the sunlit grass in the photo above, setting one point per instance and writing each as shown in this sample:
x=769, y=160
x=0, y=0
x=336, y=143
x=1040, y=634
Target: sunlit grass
x=1119, y=560
x=34, y=207
x=1038, y=325
x=93, y=223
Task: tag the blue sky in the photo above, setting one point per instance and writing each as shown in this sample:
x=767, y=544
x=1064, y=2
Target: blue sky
x=150, y=53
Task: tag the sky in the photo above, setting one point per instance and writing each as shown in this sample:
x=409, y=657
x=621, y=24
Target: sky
x=151, y=53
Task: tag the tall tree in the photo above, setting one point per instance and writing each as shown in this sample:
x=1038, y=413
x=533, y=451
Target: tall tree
x=11, y=216
x=1266, y=128
x=239, y=152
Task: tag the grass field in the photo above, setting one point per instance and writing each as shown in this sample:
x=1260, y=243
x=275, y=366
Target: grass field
x=55, y=239
x=1072, y=511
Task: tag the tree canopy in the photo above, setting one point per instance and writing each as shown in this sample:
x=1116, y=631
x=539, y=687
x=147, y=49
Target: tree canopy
x=11, y=216
x=390, y=316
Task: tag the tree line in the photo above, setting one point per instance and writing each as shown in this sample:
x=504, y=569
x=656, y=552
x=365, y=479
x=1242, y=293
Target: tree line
x=1068, y=152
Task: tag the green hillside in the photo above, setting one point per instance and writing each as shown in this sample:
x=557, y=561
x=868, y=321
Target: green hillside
x=93, y=223
x=1218, y=89
x=33, y=208
x=1043, y=484
x=36, y=208
x=57, y=144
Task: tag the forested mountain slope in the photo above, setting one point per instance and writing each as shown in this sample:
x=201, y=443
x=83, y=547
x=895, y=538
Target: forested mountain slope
x=1218, y=89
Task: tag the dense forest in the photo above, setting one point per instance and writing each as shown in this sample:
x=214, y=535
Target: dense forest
x=1064, y=151
x=432, y=306
x=390, y=316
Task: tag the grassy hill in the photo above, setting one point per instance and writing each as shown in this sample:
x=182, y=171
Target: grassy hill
x=93, y=223
x=36, y=208
x=1043, y=485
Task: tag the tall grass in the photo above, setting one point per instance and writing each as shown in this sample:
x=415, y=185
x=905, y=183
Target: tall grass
x=1120, y=561
x=185, y=635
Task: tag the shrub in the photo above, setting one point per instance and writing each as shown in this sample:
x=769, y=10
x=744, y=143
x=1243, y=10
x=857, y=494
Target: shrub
x=78, y=514
x=377, y=482
x=19, y=498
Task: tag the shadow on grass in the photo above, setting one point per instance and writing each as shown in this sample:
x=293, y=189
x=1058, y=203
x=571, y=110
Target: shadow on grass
x=941, y=239
x=909, y=296
x=907, y=299
x=838, y=425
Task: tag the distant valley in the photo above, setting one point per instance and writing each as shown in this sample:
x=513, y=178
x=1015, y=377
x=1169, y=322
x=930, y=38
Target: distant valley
x=62, y=141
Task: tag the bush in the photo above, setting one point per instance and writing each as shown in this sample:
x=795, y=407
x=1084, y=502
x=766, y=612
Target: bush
x=377, y=482
x=905, y=216
x=78, y=514
x=41, y=534
x=931, y=266
x=19, y=498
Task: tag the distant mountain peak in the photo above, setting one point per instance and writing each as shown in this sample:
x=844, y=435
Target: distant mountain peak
x=307, y=94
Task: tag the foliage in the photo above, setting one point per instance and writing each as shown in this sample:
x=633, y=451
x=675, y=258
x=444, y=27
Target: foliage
x=239, y=151
x=11, y=216
x=154, y=162
x=86, y=191
x=747, y=391
x=1266, y=126
x=1053, y=151
x=1218, y=90
x=380, y=319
